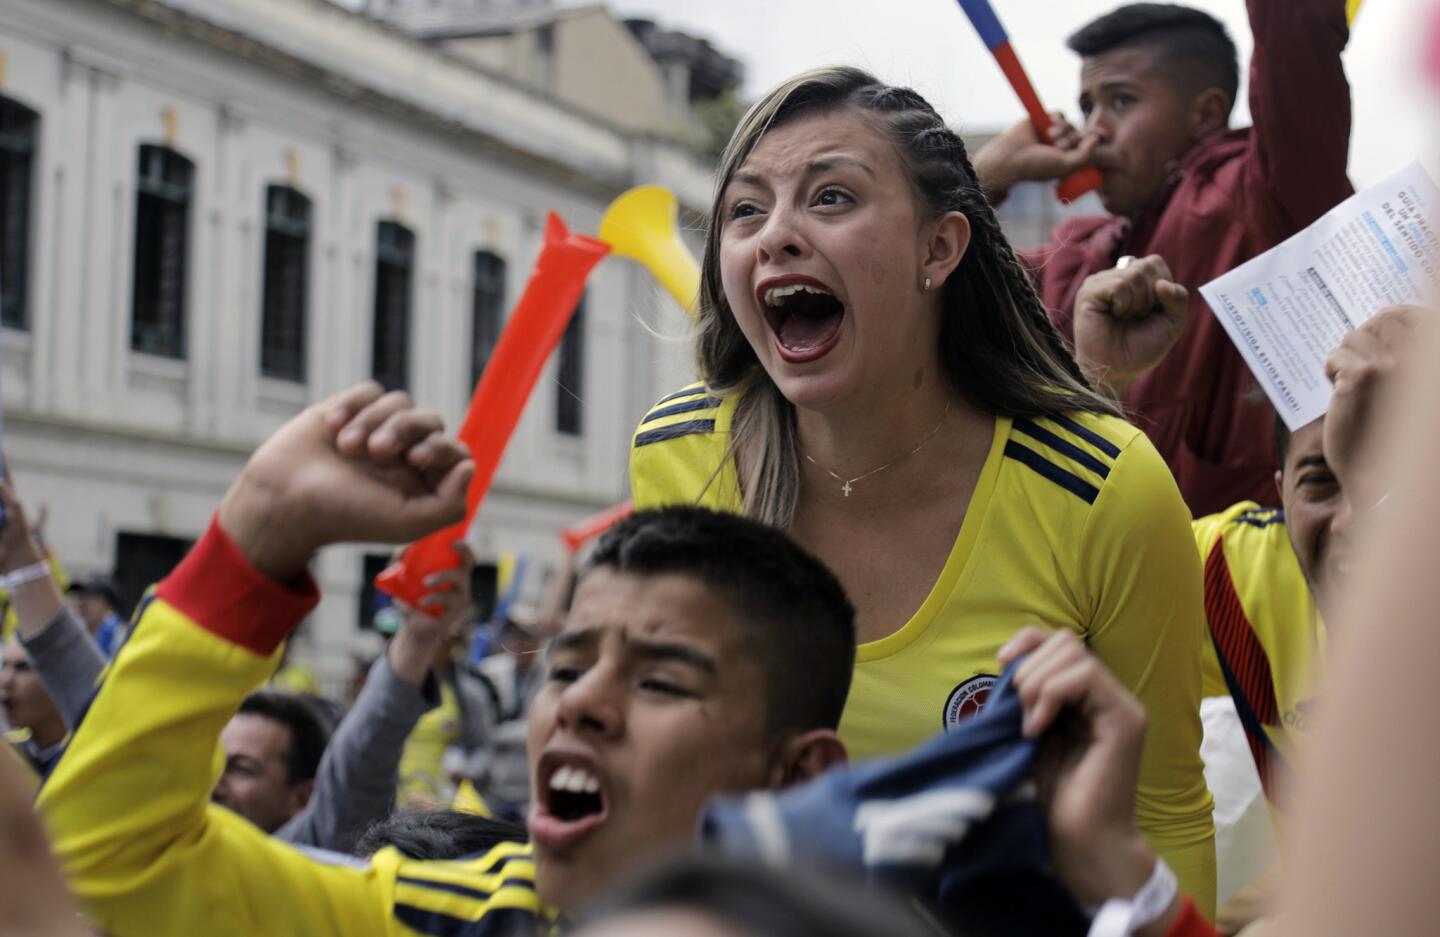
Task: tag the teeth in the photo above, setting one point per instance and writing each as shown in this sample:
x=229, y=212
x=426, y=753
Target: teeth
x=574, y=780
x=777, y=293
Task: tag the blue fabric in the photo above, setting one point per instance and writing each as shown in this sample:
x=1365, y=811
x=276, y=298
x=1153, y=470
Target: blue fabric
x=110, y=635
x=954, y=822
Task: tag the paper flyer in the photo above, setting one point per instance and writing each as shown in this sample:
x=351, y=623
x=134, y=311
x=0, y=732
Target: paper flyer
x=1288, y=308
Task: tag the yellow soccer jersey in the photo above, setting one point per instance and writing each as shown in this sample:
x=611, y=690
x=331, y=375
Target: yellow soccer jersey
x=1267, y=638
x=1075, y=523
x=128, y=805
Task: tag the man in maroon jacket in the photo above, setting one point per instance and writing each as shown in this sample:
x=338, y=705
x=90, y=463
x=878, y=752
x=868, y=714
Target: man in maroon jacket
x=1157, y=86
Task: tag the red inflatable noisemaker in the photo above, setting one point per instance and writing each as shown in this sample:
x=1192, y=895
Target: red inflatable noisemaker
x=530, y=335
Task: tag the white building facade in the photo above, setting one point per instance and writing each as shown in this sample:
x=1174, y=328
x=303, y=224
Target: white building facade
x=219, y=211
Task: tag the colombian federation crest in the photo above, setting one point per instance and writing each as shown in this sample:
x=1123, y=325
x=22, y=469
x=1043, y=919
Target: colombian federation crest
x=967, y=699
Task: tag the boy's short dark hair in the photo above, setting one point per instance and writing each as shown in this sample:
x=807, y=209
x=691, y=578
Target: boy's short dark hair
x=757, y=898
x=308, y=733
x=801, y=626
x=438, y=834
x=1194, y=46
x=1282, y=441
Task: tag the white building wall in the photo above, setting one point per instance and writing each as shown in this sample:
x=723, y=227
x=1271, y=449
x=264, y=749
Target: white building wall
x=118, y=441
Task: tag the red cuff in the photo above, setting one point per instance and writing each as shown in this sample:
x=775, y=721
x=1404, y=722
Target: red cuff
x=217, y=588
x=1191, y=923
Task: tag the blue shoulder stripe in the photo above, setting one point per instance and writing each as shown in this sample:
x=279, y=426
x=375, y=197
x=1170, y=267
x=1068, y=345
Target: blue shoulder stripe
x=687, y=392
x=1041, y=434
x=687, y=406
x=496, y=922
x=1262, y=518
x=1070, y=482
x=692, y=428
x=479, y=894
x=1090, y=436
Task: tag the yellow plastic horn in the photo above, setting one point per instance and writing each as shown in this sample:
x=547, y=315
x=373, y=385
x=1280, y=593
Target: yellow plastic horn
x=640, y=224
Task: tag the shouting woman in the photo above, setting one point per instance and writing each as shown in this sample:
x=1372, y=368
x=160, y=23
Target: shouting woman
x=881, y=381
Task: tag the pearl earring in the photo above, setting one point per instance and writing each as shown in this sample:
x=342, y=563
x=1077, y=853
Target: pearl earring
x=925, y=287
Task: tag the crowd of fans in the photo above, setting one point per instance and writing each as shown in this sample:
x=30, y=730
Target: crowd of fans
x=1031, y=503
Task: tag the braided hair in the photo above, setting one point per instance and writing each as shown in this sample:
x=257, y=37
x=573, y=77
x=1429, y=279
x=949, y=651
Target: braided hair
x=998, y=347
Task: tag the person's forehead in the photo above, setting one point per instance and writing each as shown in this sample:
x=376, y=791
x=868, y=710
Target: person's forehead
x=670, y=607
x=1307, y=442
x=839, y=135
x=14, y=652
x=1136, y=64
x=256, y=734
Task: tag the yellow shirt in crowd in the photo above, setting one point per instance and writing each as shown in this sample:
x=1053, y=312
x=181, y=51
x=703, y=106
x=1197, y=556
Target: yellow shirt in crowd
x=1075, y=523
x=1268, y=641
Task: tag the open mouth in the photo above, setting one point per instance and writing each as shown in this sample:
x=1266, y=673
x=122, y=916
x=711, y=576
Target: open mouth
x=803, y=315
x=570, y=802
x=574, y=794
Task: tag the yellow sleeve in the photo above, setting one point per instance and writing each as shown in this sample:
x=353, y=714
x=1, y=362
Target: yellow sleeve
x=679, y=453
x=128, y=804
x=1143, y=582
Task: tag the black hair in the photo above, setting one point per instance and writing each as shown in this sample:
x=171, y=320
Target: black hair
x=801, y=626
x=1193, y=45
x=1282, y=441
x=308, y=734
x=760, y=900
x=438, y=834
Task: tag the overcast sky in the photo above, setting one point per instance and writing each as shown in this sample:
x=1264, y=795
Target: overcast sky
x=929, y=44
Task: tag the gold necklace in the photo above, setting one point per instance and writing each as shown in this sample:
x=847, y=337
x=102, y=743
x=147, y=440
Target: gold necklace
x=847, y=483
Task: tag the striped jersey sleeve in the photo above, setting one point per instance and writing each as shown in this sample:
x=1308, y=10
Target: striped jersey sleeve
x=492, y=895
x=680, y=452
x=1106, y=506
x=128, y=804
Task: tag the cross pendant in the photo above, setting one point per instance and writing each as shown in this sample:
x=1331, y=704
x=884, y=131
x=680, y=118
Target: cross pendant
x=846, y=489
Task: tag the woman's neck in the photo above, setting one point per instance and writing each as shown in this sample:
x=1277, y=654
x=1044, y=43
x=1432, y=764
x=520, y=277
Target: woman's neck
x=898, y=434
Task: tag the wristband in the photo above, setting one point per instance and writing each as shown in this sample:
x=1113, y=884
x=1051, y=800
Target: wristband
x=1119, y=917
x=25, y=574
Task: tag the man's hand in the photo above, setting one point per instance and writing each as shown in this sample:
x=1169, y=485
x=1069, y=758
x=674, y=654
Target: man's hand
x=1126, y=321
x=422, y=633
x=362, y=466
x=1020, y=155
x=1363, y=369
x=1092, y=733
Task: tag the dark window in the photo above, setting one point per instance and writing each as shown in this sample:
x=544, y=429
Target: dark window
x=569, y=402
x=141, y=560
x=162, y=227
x=282, y=313
x=372, y=600
x=394, y=269
x=484, y=589
x=487, y=311
x=18, y=126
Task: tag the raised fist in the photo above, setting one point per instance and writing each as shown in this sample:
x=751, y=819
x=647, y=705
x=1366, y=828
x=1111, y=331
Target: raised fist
x=364, y=465
x=1126, y=320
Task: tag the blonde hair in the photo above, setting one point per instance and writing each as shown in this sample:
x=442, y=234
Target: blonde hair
x=998, y=347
